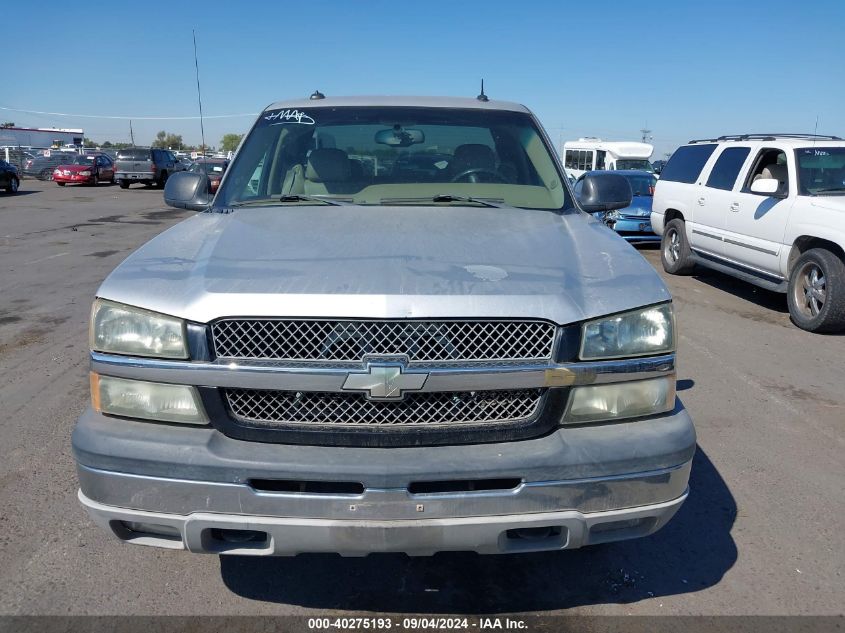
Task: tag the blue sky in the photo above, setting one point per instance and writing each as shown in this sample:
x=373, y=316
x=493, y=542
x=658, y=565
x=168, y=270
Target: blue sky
x=588, y=68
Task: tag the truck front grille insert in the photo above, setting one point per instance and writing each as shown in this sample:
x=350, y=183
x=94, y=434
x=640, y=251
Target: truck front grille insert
x=286, y=409
x=350, y=341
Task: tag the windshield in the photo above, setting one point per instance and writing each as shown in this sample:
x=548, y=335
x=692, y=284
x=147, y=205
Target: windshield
x=208, y=167
x=821, y=171
x=388, y=155
x=83, y=160
x=634, y=163
x=641, y=184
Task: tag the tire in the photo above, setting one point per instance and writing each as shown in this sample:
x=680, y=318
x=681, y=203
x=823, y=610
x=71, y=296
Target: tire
x=162, y=180
x=61, y=184
x=13, y=186
x=46, y=174
x=816, y=293
x=124, y=184
x=95, y=180
x=675, y=253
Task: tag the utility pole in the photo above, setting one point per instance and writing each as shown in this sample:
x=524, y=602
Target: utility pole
x=646, y=134
x=131, y=133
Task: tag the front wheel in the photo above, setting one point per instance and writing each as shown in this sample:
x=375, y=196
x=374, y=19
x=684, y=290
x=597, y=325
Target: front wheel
x=95, y=180
x=816, y=293
x=675, y=253
x=124, y=184
x=13, y=186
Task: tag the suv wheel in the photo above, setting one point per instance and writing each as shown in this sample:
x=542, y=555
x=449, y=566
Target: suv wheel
x=816, y=293
x=675, y=252
x=13, y=185
x=124, y=184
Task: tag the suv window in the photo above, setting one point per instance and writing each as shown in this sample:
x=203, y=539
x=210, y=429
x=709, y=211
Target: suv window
x=133, y=154
x=770, y=163
x=686, y=163
x=726, y=169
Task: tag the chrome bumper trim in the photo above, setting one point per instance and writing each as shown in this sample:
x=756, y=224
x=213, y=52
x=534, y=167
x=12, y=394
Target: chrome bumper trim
x=181, y=496
x=272, y=375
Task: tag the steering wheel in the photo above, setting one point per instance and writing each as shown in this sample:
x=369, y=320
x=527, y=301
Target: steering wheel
x=473, y=172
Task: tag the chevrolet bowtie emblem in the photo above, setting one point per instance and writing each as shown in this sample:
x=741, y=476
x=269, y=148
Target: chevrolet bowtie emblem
x=384, y=382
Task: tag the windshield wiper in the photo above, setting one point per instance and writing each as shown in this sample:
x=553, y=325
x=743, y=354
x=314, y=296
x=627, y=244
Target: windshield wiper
x=267, y=202
x=298, y=197
x=497, y=203
x=828, y=190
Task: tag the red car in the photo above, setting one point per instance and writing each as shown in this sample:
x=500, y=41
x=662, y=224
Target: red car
x=214, y=168
x=88, y=170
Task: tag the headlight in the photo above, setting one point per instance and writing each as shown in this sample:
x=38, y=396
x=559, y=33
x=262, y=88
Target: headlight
x=85, y=173
x=122, y=329
x=615, y=401
x=612, y=214
x=147, y=400
x=637, y=333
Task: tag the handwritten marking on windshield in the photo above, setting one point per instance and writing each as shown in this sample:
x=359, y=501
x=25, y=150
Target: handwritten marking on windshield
x=289, y=116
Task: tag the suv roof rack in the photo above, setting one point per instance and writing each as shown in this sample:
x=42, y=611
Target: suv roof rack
x=764, y=137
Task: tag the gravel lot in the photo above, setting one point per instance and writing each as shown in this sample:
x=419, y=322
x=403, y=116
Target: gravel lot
x=761, y=532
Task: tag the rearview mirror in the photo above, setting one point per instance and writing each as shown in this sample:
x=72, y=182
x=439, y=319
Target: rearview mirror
x=604, y=192
x=399, y=137
x=187, y=190
x=765, y=186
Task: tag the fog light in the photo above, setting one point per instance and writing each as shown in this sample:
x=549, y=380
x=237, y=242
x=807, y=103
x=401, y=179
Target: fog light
x=146, y=400
x=621, y=400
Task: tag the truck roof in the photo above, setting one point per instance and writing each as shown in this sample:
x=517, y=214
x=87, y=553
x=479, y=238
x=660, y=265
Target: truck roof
x=419, y=102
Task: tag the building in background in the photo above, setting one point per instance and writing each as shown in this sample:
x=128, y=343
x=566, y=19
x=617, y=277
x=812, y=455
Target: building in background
x=40, y=137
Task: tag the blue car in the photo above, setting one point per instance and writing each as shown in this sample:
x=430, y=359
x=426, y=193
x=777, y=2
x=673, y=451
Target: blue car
x=633, y=222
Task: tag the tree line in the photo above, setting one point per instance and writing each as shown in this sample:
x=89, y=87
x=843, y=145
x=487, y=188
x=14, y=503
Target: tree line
x=166, y=140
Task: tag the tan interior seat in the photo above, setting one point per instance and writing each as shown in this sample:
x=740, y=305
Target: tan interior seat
x=328, y=171
x=776, y=172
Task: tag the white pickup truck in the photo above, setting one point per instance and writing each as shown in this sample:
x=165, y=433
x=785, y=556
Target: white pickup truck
x=766, y=208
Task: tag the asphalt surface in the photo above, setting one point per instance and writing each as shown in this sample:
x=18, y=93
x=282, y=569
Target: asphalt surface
x=761, y=532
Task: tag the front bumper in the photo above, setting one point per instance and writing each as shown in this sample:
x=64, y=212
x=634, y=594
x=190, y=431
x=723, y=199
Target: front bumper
x=215, y=533
x=196, y=481
x=72, y=179
x=636, y=229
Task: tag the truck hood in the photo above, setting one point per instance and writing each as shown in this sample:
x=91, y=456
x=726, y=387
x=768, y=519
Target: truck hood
x=386, y=262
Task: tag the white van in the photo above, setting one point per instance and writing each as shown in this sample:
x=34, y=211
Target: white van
x=589, y=153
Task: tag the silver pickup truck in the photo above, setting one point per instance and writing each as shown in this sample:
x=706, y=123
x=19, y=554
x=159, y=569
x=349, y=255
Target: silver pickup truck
x=392, y=329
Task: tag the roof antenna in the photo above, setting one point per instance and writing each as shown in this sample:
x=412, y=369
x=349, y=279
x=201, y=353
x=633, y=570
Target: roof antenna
x=317, y=95
x=482, y=96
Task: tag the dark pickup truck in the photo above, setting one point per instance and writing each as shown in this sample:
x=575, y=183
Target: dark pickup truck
x=145, y=165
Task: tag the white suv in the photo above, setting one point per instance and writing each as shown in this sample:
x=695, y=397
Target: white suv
x=767, y=208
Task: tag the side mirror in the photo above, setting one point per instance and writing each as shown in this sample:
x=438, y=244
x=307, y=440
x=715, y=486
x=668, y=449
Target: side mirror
x=187, y=190
x=604, y=192
x=766, y=187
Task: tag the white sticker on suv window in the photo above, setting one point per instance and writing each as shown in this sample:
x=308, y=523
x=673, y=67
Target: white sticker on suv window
x=280, y=117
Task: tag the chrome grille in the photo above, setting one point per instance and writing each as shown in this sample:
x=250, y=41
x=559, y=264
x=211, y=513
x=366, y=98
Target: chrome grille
x=286, y=408
x=350, y=341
